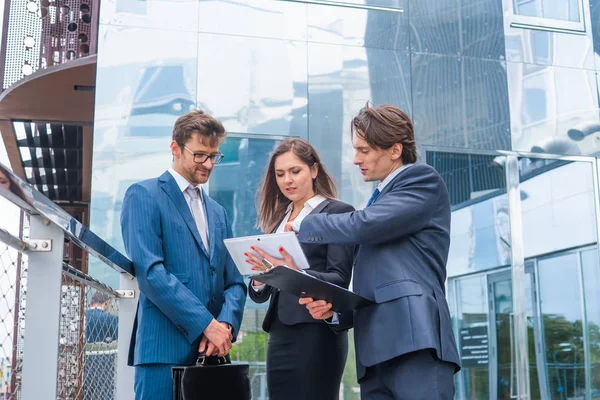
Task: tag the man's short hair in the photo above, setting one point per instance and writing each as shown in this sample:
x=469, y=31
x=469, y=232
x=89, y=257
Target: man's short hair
x=383, y=126
x=198, y=122
x=99, y=297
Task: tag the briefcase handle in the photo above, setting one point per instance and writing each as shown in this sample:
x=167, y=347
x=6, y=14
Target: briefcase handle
x=202, y=358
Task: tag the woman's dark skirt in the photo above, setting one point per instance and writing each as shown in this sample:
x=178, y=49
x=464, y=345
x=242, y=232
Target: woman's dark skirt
x=305, y=361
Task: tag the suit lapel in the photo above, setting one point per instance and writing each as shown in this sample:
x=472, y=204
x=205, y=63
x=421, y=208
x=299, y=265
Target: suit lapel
x=320, y=207
x=172, y=190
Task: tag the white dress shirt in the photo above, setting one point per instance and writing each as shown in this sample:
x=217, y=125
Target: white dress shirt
x=391, y=176
x=183, y=184
x=309, y=205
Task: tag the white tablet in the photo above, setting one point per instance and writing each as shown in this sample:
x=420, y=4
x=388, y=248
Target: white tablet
x=269, y=244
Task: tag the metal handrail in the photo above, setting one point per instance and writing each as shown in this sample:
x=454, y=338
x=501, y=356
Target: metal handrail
x=87, y=280
x=30, y=200
x=12, y=241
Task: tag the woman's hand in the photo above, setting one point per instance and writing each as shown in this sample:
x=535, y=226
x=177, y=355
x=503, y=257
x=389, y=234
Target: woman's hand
x=257, y=264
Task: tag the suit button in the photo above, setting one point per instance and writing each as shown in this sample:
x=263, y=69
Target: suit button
x=213, y=271
x=213, y=299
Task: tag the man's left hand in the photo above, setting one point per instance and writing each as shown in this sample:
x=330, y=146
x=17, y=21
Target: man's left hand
x=209, y=348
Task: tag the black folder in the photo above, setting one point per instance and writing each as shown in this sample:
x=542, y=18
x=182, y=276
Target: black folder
x=305, y=285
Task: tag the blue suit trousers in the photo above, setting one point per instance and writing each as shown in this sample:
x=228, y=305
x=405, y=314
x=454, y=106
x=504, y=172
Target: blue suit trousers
x=419, y=375
x=153, y=382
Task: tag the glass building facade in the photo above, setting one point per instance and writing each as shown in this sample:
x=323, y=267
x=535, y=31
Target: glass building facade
x=504, y=95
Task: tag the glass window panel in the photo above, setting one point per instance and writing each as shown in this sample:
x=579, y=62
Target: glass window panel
x=482, y=25
x=437, y=103
x=531, y=8
x=556, y=203
x=564, y=10
x=434, y=27
x=254, y=85
x=140, y=94
x=480, y=229
x=396, y=4
x=486, y=118
x=356, y=27
x=341, y=80
x=234, y=182
x=162, y=14
x=591, y=283
x=261, y=18
x=560, y=298
x=561, y=10
x=545, y=104
x=472, y=324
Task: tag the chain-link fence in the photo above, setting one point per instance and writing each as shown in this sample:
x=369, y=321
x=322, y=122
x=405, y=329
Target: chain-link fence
x=88, y=331
x=13, y=292
x=88, y=339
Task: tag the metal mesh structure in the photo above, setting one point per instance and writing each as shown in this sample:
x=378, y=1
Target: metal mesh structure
x=42, y=33
x=66, y=31
x=13, y=291
x=88, y=331
x=88, y=341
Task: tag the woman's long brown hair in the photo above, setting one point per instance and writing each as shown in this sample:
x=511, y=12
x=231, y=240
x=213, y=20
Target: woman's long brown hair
x=272, y=203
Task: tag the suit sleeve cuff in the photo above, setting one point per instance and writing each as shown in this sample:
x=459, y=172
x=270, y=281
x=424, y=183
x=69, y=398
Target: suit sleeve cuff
x=296, y=225
x=258, y=289
x=335, y=319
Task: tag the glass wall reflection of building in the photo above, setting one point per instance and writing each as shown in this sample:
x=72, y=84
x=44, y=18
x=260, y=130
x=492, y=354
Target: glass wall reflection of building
x=483, y=80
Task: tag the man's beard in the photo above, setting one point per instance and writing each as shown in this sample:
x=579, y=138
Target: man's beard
x=191, y=175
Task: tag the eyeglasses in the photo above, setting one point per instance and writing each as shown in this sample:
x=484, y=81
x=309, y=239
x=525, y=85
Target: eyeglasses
x=200, y=158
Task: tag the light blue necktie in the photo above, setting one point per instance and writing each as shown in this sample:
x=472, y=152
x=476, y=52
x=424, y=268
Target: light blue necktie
x=373, y=197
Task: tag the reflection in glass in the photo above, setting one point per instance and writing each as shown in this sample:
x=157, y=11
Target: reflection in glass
x=259, y=18
x=254, y=85
x=234, y=183
x=479, y=225
x=562, y=322
x=504, y=364
x=546, y=102
x=341, y=80
x=356, y=27
x=139, y=96
x=591, y=283
x=563, y=10
x=556, y=211
x=181, y=15
x=394, y=4
x=472, y=321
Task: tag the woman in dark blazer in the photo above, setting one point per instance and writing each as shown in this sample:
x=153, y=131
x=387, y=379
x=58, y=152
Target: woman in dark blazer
x=305, y=357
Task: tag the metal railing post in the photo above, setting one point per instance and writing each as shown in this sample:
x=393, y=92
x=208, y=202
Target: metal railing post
x=42, y=315
x=519, y=299
x=127, y=310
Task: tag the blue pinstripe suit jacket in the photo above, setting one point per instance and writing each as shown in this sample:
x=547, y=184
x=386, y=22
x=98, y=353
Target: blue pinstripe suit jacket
x=182, y=288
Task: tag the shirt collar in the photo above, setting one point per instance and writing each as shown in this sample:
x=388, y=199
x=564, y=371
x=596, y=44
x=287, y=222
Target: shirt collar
x=182, y=182
x=311, y=203
x=391, y=176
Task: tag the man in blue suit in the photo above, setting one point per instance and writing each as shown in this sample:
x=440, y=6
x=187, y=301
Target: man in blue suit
x=405, y=347
x=192, y=296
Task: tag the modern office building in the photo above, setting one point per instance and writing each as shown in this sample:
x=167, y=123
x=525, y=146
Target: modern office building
x=505, y=99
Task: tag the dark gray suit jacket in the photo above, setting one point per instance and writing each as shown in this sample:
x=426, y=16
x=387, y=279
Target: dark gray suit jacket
x=404, y=237
x=331, y=263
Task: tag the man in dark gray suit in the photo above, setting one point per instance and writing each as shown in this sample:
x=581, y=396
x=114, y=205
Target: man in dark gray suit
x=405, y=347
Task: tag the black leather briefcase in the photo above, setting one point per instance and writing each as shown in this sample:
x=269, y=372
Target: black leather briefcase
x=211, y=378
